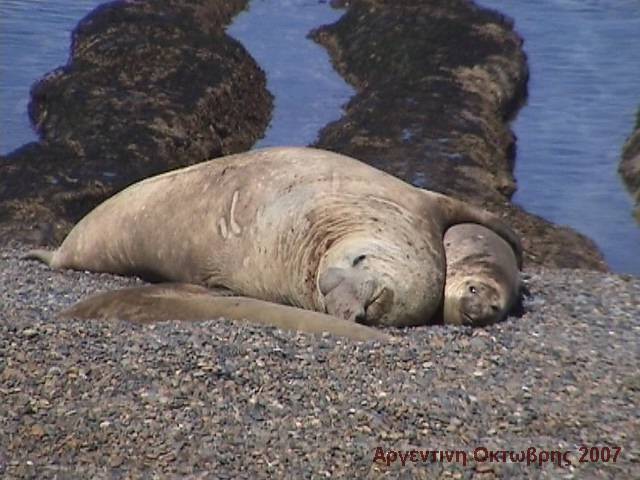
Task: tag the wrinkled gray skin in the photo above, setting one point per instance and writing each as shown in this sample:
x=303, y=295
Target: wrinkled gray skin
x=185, y=302
x=483, y=279
x=297, y=226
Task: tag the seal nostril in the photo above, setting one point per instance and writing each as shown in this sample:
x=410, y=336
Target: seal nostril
x=360, y=317
x=495, y=308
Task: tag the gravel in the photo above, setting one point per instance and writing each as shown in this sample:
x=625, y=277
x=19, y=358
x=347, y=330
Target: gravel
x=221, y=400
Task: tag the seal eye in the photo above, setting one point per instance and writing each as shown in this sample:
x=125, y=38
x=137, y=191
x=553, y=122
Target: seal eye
x=358, y=259
x=473, y=290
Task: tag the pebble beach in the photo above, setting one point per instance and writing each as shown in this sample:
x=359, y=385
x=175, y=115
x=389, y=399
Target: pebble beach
x=552, y=392
x=219, y=399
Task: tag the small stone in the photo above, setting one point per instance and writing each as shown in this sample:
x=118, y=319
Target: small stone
x=29, y=332
x=454, y=424
x=484, y=468
x=37, y=431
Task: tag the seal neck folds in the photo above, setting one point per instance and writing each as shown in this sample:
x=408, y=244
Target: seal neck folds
x=369, y=269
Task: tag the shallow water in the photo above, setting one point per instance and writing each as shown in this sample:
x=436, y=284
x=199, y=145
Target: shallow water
x=584, y=92
x=584, y=57
x=34, y=39
x=308, y=92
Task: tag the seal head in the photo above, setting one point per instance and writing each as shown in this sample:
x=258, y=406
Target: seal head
x=475, y=302
x=483, y=278
x=366, y=279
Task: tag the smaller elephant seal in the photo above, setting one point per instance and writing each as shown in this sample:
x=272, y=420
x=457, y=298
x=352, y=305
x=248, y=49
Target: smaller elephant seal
x=483, y=279
x=185, y=302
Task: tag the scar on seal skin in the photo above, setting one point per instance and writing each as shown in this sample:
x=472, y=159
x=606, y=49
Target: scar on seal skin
x=222, y=224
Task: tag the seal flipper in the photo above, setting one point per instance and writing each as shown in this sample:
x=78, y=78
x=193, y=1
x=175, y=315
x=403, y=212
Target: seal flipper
x=456, y=211
x=45, y=256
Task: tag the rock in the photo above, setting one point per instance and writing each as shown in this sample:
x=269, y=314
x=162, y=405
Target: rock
x=436, y=84
x=29, y=332
x=150, y=86
x=37, y=431
x=630, y=164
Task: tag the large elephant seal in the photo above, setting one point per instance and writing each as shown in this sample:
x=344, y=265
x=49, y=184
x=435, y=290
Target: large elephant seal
x=483, y=279
x=296, y=226
x=185, y=302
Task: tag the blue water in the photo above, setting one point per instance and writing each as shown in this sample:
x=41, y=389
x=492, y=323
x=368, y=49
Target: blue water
x=584, y=57
x=308, y=92
x=585, y=64
x=34, y=39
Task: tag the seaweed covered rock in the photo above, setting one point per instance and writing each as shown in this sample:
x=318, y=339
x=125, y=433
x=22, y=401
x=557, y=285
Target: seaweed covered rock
x=150, y=86
x=437, y=82
x=630, y=164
